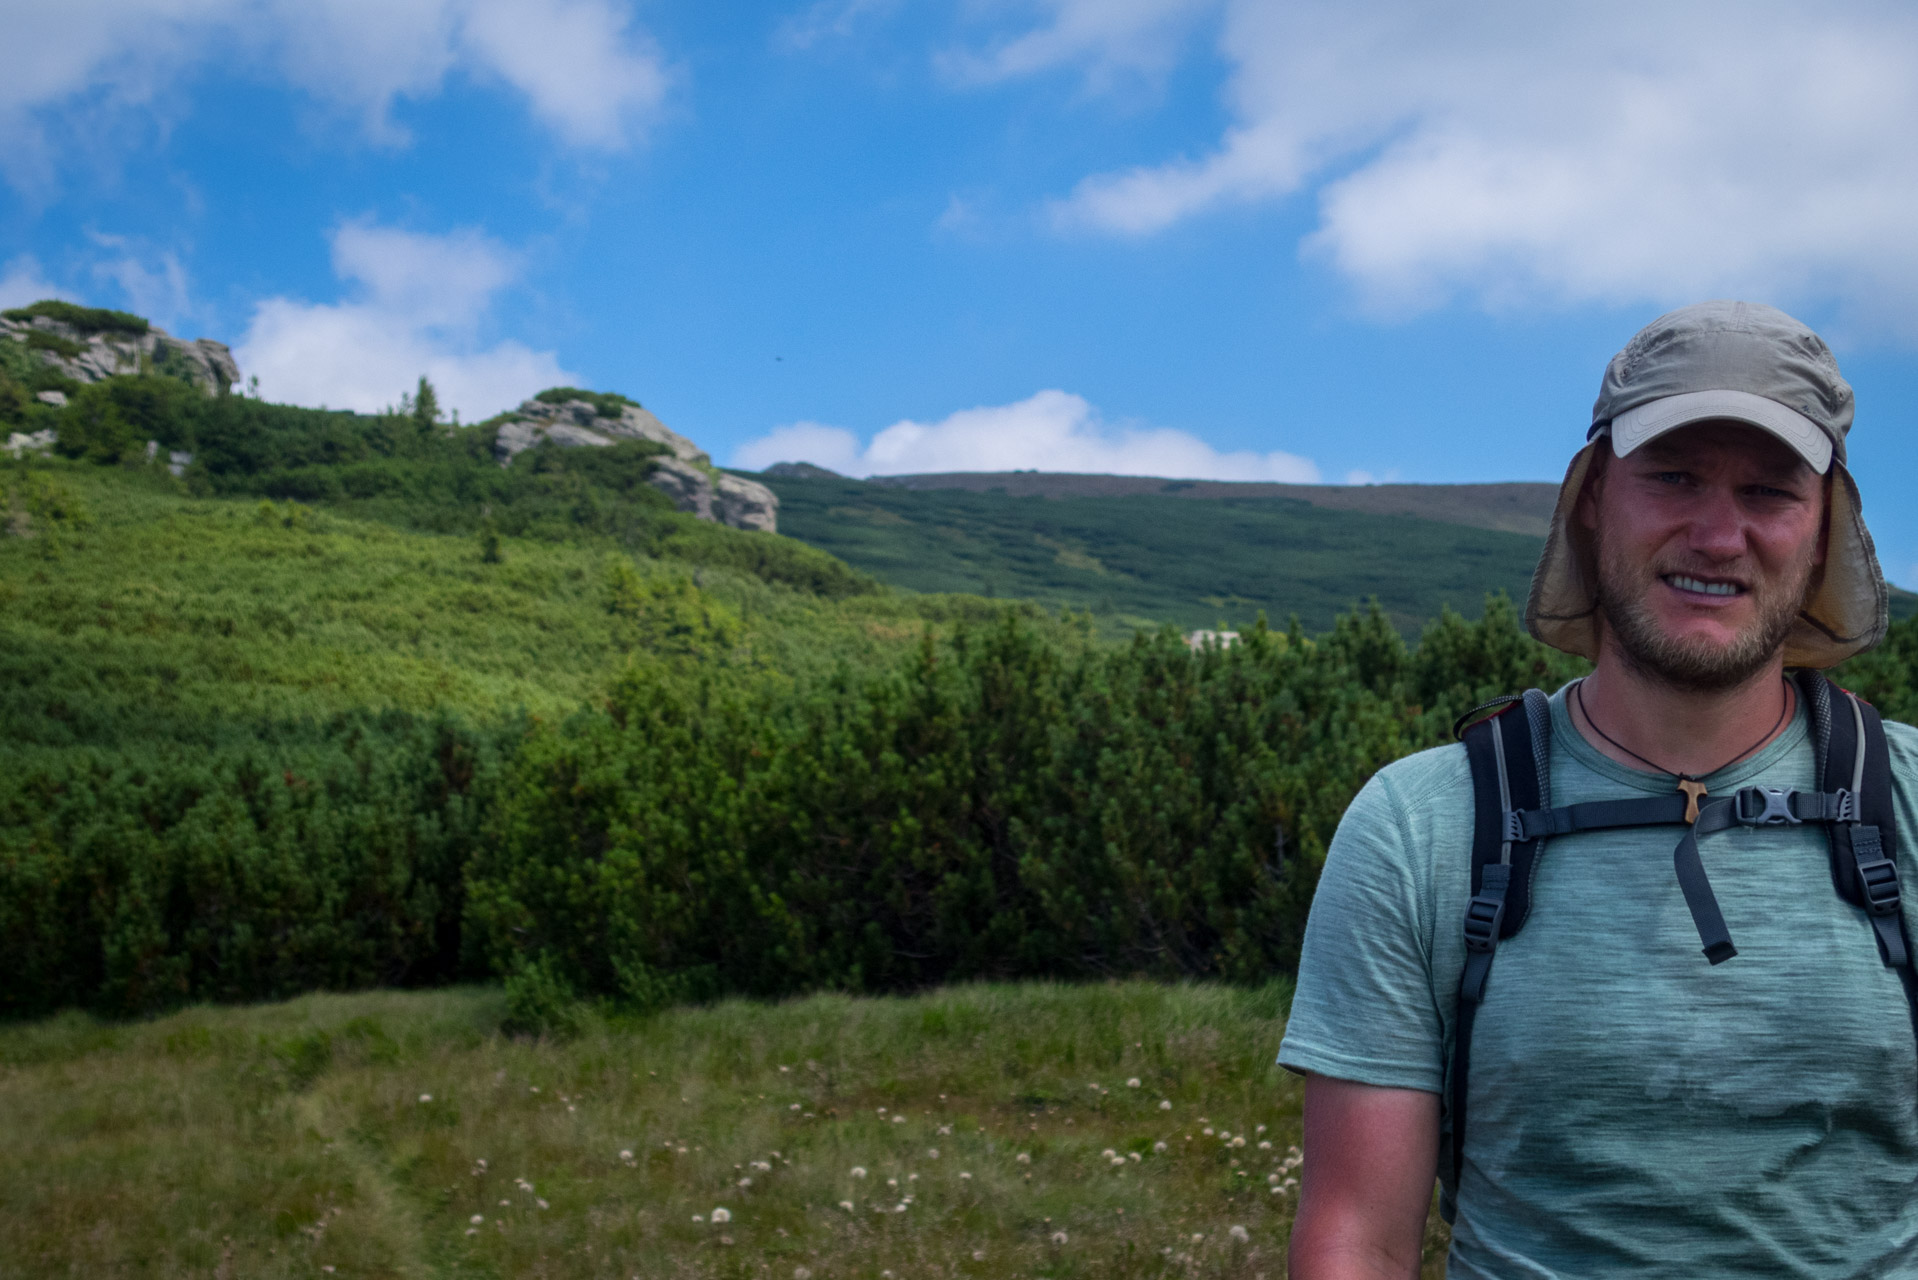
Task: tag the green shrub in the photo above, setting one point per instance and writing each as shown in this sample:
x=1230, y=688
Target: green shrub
x=998, y=806
x=85, y=319
x=606, y=404
x=144, y=878
x=93, y=428
x=41, y=340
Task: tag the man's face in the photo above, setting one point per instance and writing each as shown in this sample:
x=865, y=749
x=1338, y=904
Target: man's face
x=1707, y=539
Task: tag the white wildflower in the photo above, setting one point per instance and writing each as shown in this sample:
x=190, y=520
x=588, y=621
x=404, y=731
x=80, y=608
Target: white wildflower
x=699, y=1217
x=1133, y=1083
x=1260, y=1129
x=1107, y=1153
x=1197, y=1236
x=978, y=1255
x=625, y=1154
x=1119, y=1161
x=899, y=1119
x=846, y=1205
x=1208, y=1131
x=945, y=1129
x=965, y=1177
x=801, y=1273
x=426, y=1097
x=477, y=1218
x=1023, y=1158
x=722, y=1215
x=1240, y=1234
x=893, y=1183
x=506, y=1204
x=745, y=1182
x=1265, y=1145
x=932, y=1153
x=1238, y=1142
x=1272, y=1178
x=793, y=1107
x=858, y=1171
x=900, y=1207
x=1159, y=1147
x=1165, y=1104
x=541, y=1203
x=1059, y=1237
x=1135, y=1157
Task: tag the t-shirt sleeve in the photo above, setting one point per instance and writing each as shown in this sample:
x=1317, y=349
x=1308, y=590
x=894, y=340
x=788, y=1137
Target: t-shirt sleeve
x=1364, y=1008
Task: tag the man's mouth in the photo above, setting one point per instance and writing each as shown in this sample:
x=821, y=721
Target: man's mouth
x=1703, y=586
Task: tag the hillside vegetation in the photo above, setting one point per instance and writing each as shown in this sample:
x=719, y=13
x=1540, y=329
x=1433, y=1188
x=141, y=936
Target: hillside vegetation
x=1142, y=560
x=346, y=703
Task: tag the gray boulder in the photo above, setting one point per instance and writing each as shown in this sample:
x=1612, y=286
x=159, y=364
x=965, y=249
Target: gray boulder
x=577, y=422
x=686, y=474
x=745, y=504
x=203, y=362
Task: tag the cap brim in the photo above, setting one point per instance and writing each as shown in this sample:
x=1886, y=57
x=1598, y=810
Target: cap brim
x=1647, y=422
x=1846, y=612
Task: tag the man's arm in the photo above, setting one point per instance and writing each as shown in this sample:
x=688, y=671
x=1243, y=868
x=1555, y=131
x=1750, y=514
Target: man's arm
x=1371, y=1155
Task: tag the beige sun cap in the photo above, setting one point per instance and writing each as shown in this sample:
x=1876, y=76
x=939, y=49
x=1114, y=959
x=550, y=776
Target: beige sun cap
x=1718, y=361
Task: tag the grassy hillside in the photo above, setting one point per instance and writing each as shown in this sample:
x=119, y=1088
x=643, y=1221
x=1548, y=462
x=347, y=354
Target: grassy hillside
x=975, y=1132
x=1517, y=507
x=145, y=610
x=1144, y=559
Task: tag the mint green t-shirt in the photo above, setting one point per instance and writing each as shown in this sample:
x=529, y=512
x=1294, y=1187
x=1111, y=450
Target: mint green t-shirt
x=1635, y=1111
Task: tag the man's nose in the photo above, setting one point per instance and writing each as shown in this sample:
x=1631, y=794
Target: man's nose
x=1718, y=524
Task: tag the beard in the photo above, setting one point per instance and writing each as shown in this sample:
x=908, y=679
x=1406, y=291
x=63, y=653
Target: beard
x=1696, y=665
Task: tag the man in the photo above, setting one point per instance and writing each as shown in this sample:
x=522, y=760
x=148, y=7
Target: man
x=1635, y=1110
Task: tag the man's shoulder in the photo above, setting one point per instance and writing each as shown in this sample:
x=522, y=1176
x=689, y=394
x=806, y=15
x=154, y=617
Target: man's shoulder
x=1414, y=791
x=1424, y=776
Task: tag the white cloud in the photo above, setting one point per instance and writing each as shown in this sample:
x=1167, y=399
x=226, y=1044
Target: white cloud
x=71, y=78
x=418, y=305
x=21, y=283
x=1050, y=431
x=1521, y=154
x=1109, y=38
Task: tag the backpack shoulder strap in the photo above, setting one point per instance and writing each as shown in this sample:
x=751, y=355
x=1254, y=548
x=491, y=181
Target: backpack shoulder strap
x=1510, y=757
x=1854, y=758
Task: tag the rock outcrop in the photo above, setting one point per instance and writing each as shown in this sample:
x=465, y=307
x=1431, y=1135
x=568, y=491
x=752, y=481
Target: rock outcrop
x=686, y=474
x=90, y=356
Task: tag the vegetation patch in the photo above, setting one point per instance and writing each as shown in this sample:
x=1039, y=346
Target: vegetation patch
x=85, y=319
x=606, y=404
x=41, y=340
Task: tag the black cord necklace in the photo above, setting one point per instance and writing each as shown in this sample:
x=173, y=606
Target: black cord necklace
x=1687, y=782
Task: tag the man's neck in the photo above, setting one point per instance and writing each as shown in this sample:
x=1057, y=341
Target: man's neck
x=1686, y=731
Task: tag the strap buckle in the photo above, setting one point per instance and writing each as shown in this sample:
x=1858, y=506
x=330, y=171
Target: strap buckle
x=1775, y=813
x=1483, y=916
x=1879, y=882
x=1514, y=826
x=1848, y=808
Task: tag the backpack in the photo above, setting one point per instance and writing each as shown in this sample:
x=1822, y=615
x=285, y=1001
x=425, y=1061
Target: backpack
x=1509, y=753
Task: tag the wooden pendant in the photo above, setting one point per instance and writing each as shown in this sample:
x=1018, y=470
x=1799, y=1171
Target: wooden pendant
x=1692, y=789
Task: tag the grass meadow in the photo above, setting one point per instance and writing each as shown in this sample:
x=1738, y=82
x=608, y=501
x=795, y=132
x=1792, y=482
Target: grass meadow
x=1120, y=1130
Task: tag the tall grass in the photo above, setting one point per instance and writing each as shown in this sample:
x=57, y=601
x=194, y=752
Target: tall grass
x=973, y=1131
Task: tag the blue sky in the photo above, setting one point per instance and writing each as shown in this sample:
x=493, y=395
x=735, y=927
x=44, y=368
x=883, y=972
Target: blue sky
x=1231, y=238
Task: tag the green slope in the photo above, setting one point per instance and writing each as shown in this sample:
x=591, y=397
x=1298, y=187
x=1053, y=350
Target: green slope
x=1143, y=559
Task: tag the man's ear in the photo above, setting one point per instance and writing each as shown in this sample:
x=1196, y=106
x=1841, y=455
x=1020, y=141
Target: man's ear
x=1586, y=512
